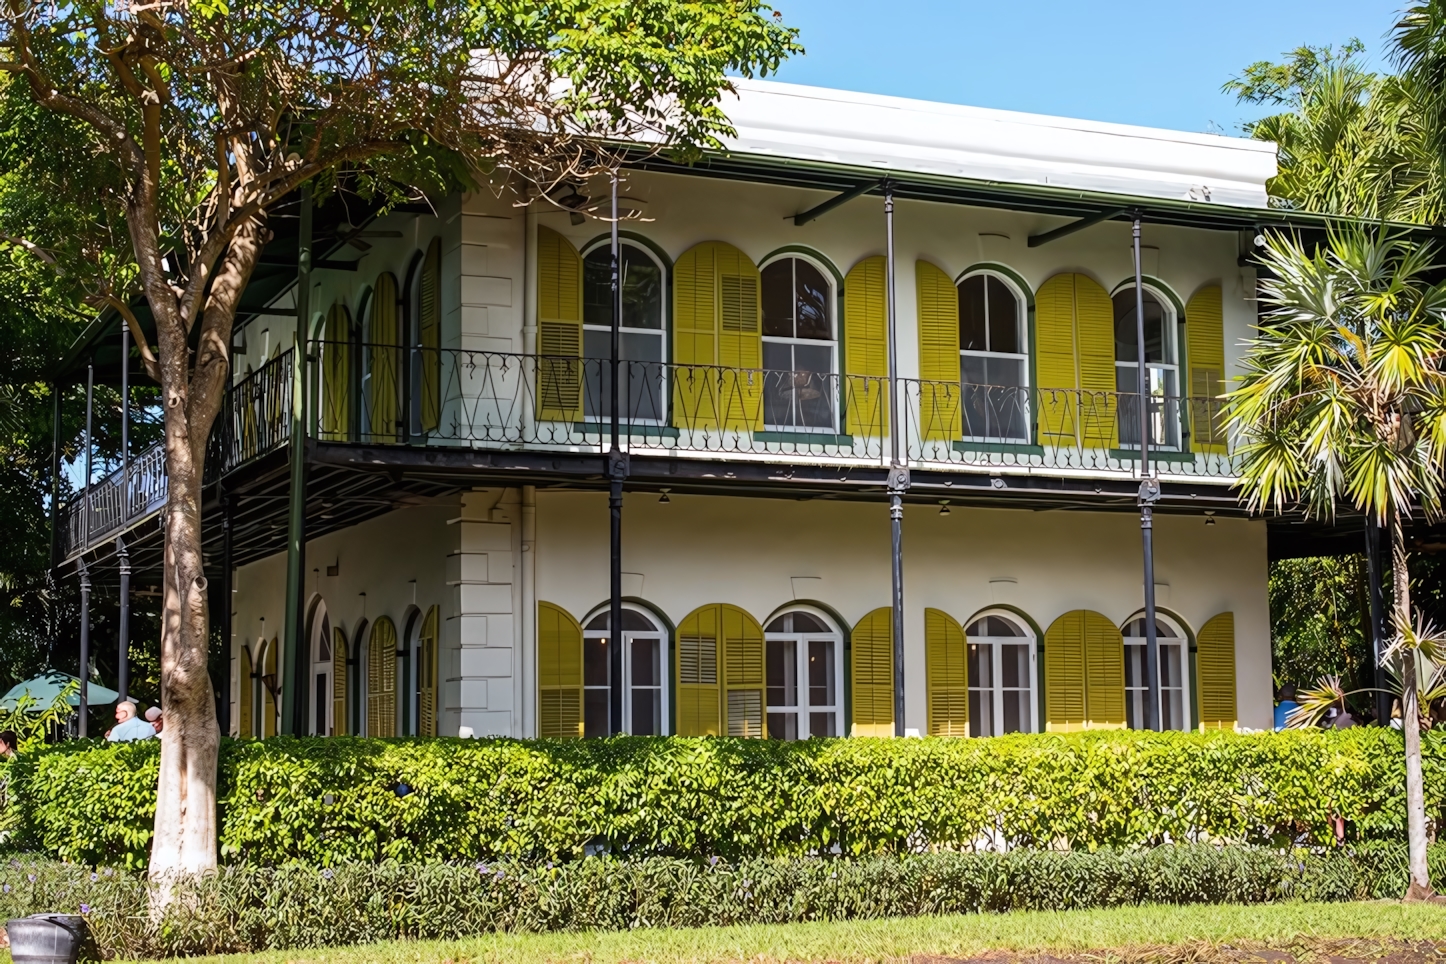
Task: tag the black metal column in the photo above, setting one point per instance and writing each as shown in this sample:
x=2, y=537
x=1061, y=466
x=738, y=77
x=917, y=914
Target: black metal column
x=55, y=430
x=123, y=631
x=1149, y=495
x=89, y=447
x=1378, y=620
x=898, y=471
x=617, y=471
x=294, y=646
x=84, y=674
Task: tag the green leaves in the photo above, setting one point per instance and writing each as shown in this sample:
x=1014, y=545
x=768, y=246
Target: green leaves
x=332, y=801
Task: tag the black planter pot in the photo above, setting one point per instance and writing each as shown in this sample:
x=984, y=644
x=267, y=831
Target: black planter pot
x=47, y=938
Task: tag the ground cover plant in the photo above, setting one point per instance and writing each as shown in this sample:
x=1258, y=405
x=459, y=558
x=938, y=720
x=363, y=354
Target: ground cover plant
x=332, y=800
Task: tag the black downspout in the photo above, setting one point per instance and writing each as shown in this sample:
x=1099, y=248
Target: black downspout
x=55, y=431
x=123, y=631
x=1149, y=494
x=84, y=674
x=617, y=470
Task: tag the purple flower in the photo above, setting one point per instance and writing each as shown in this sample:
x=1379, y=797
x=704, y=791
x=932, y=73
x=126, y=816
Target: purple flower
x=713, y=861
x=85, y=908
x=6, y=888
x=32, y=878
x=481, y=867
x=501, y=875
x=108, y=871
x=327, y=874
x=94, y=878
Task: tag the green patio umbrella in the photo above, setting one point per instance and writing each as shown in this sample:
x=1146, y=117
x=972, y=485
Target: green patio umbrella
x=44, y=688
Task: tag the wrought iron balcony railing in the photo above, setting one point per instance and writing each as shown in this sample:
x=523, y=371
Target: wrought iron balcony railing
x=384, y=394
x=107, y=508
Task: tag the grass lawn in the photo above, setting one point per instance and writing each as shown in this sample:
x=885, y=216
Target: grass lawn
x=1285, y=926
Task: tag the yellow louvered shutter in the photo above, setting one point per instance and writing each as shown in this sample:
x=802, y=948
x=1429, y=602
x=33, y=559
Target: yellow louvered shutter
x=427, y=675
x=384, y=361
x=271, y=684
x=947, y=667
x=243, y=697
x=939, y=391
x=559, y=672
x=695, y=338
x=1104, y=673
x=697, y=674
x=339, y=682
x=336, y=374
x=559, y=328
x=1055, y=366
x=866, y=346
x=1074, y=338
x=382, y=679
x=743, y=683
x=717, y=321
x=1064, y=673
x=429, y=335
x=1205, y=335
x=1095, y=337
x=872, y=669
x=1215, y=672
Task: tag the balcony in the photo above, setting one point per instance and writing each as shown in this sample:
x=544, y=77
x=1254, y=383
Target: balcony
x=384, y=395
x=381, y=395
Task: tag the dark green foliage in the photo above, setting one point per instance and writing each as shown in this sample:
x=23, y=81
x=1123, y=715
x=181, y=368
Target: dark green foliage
x=329, y=801
x=1319, y=622
x=248, y=909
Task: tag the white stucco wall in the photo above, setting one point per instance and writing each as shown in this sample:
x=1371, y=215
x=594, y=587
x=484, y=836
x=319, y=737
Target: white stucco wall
x=705, y=549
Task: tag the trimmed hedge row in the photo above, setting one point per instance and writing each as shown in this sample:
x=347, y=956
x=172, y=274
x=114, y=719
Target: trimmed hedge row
x=244, y=909
x=337, y=800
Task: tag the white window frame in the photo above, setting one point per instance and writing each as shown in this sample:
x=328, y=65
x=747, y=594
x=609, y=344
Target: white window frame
x=660, y=633
x=1022, y=321
x=660, y=332
x=1180, y=639
x=320, y=631
x=997, y=689
x=833, y=375
x=803, y=709
x=1171, y=342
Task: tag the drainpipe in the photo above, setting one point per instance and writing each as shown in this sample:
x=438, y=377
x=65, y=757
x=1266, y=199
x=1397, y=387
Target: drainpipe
x=529, y=606
x=1149, y=495
x=84, y=674
x=898, y=473
x=527, y=376
x=293, y=693
x=617, y=470
x=123, y=631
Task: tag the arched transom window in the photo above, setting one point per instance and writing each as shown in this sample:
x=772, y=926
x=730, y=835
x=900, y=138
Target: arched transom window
x=1173, y=682
x=805, y=677
x=799, y=346
x=640, y=680
x=640, y=345
x=1001, y=676
x=993, y=359
x=1161, y=365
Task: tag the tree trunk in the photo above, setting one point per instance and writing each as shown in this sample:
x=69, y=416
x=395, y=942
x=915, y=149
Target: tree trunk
x=1420, y=887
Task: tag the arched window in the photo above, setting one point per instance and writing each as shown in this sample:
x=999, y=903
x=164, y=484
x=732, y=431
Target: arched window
x=1001, y=675
x=640, y=343
x=799, y=346
x=805, y=676
x=321, y=671
x=643, y=673
x=1173, y=678
x=1161, y=363
x=993, y=359
x=424, y=692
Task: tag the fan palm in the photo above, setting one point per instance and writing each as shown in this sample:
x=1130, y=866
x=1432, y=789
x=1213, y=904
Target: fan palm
x=1343, y=400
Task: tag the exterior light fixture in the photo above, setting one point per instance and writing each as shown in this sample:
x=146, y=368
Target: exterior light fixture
x=664, y=497
x=1209, y=517
x=943, y=506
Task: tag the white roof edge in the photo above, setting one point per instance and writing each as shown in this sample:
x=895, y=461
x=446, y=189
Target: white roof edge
x=979, y=143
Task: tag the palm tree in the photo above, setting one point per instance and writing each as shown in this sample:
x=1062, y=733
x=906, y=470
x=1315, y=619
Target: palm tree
x=1343, y=400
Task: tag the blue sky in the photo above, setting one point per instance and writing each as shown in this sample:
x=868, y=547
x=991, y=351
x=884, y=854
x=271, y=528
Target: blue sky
x=1152, y=62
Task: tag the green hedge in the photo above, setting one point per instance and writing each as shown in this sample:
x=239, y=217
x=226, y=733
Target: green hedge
x=330, y=801
x=248, y=908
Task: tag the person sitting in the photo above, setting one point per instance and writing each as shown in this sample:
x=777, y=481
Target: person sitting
x=1285, y=705
x=129, y=726
x=155, y=719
